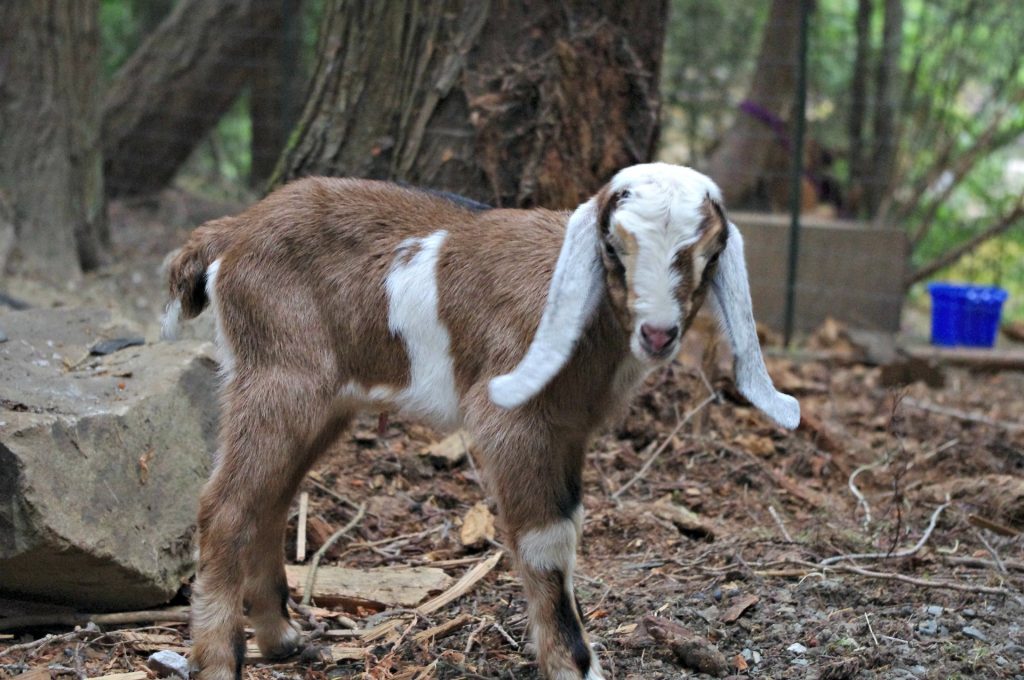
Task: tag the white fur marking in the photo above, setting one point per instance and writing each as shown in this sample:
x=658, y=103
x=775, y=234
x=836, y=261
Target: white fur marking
x=553, y=547
x=572, y=298
x=225, y=355
x=732, y=303
x=663, y=211
x=413, y=315
x=171, y=321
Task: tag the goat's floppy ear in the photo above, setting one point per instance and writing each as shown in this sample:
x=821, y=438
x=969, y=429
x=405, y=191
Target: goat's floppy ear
x=574, y=294
x=732, y=298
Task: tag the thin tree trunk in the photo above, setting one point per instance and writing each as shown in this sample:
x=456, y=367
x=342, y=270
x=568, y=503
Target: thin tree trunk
x=176, y=87
x=747, y=148
x=50, y=162
x=887, y=99
x=514, y=103
x=276, y=88
x=859, y=104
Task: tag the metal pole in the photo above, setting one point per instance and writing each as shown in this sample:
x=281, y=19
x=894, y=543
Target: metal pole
x=797, y=172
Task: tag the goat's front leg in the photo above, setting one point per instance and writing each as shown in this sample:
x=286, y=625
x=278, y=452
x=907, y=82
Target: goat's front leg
x=539, y=498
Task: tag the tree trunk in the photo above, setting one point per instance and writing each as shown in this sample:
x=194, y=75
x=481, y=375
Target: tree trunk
x=176, y=87
x=746, y=153
x=276, y=88
x=886, y=104
x=859, y=106
x=50, y=162
x=515, y=103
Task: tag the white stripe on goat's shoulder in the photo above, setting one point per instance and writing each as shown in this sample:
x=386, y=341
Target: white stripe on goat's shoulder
x=225, y=354
x=552, y=547
x=414, y=317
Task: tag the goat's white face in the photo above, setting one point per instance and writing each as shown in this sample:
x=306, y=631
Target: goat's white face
x=661, y=226
x=655, y=239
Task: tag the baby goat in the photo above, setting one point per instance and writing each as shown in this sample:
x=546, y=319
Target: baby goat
x=527, y=327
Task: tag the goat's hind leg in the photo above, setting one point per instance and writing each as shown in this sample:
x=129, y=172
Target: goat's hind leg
x=266, y=587
x=241, y=526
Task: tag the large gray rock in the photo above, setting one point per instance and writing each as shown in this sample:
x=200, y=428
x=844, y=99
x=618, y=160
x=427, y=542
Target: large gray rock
x=101, y=460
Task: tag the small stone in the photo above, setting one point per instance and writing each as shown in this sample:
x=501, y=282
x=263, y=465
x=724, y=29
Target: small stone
x=166, y=663
x=801, y=662
x=825, y=635
x=969, y=613
x=927, y=628
x=797, y=648
x=1001, y=661
x=748, y=654
x=934, y=610
x=975, y=633
x=919, y=671
x=757, y=657
x=1014, y=650
x=110, y=346
x=717, y=594
x=3, y=337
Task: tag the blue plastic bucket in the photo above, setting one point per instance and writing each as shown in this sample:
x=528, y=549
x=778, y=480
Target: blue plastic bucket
x=965, y=315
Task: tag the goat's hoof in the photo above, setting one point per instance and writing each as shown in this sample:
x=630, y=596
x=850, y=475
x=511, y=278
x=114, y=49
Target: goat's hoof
x=316, y=654
x=288, y=644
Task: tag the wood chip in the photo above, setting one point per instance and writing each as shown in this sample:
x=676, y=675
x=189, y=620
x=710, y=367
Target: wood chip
x=477, y=527
x=300, y=535
x=151, y=642
x=685, y=520
x=461, y=587
x=375, y=589
x=444, y=629
x=346, y=653
x=450, y=452
x=742, y=604
x=692, y=650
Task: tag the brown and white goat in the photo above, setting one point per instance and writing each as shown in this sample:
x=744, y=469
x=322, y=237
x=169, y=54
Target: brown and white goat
x=527, y=327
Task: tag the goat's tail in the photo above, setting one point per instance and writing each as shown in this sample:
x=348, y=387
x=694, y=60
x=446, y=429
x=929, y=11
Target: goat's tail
x=187, y=271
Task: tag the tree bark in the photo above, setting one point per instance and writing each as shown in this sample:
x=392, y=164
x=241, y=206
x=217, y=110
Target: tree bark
x=176, y=87
x=859, y=105
x=50, y=161
x=515, y=103
x=746, y=152
x=276, y=88
x=886, y=104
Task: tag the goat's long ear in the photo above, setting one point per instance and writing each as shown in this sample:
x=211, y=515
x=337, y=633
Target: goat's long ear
x=732, y=298
x=574, y=294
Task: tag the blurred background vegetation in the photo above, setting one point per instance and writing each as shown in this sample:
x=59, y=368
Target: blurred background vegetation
x=914, y=116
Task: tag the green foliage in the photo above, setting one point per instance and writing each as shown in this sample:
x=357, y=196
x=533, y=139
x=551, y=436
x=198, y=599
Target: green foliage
x=959, y=121
x=708, y=60
x=123, y=25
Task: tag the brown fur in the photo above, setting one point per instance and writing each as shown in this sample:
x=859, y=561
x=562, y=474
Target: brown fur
x=301, y=300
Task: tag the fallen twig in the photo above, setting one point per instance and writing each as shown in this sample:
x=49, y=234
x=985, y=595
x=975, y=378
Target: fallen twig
x=176, y=615
x=924, y=583
x=664, y=444
x=892, y=555
x=457, y=590
x=861, y=500
x=307, y=595
x=484, y=623
x=779, y=523
x=991, y=551
x=962, y=415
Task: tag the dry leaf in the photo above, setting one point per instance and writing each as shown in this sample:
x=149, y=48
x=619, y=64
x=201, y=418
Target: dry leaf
x=477, y=527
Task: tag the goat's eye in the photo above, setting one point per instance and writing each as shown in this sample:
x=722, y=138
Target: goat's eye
x=613, y=255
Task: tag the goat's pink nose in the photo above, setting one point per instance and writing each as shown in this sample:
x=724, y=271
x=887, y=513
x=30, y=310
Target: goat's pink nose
x=656, y=338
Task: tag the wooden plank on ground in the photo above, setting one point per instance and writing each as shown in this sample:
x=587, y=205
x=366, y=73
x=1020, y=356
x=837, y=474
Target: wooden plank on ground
x=379, y=589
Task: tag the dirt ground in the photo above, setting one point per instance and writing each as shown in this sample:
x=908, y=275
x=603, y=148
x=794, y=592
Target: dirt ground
x=724, y=555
